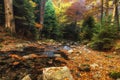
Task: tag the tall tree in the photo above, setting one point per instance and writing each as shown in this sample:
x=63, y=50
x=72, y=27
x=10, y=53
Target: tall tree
x=107, y=7
x=42, y=8
x=60, y=8
x=39, y=14
x=24, y=17
x=75, y=12
x=102, y=10
x=50, y=22
x=115, y=18
x=9, y=18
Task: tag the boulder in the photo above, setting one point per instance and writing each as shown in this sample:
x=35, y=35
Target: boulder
x=27, y=77
x=63, y=54
x=57, y=73
x=94, y=65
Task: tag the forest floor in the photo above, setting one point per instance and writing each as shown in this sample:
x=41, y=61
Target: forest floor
x=21, y=57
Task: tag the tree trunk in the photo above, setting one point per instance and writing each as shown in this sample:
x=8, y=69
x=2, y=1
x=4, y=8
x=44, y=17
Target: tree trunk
x=42, y=8
x=107, y=8
x=115, y=18
x=102, y=2
x=9, y=19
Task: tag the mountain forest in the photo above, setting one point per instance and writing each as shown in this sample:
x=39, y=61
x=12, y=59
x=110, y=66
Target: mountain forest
x=59, y=39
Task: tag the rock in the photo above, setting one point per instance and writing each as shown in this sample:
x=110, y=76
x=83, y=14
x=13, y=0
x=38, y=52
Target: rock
x=94, y=65
x=30, y=56
x=27, y=77
x=79, y=52
x=19, y=49
x=57, y=73
x=57, y=55
x=63, y=53
x=75, y=43
x=19, y=45
x=66, y=48
x=49, y=53
x=39, y=42
x=97, y=76
x=87, y=59
x=59, y=44
x=114, y=52
x=84, y=67
x=70, y=51
x=73, y=46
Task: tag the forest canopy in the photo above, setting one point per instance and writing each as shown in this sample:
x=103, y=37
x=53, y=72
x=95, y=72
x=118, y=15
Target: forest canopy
x=77, y=20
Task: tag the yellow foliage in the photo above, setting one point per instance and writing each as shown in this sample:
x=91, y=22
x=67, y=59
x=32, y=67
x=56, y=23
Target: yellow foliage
x=60, y=9
x=32, y=3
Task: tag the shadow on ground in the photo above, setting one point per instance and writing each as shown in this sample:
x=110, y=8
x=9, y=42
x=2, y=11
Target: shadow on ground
x=16, y=69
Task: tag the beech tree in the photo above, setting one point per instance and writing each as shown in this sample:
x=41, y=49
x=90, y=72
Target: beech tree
x=9, y=18
x=75, y=12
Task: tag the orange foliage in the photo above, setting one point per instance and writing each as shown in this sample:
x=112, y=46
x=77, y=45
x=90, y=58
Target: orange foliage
x=75, y=11
x=14, y=56
x=39, y=26
x=15, y=63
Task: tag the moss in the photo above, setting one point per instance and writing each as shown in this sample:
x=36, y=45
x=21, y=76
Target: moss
x=114, y=75
x=84, y=67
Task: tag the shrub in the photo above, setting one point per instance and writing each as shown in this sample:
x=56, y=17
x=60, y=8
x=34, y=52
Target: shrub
x=104, y=37
x=87, y=28
x=71, y=32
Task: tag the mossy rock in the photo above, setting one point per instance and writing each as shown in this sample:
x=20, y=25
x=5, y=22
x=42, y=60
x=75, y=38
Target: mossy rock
x=84, y=67
x=114, y=75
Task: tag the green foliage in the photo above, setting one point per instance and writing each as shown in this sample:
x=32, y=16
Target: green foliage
x=88, y=28
x=104, y=37
x=24, y=18
x=114, y=75
x=51, y=27
x=71, y=32
x=37, y=10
